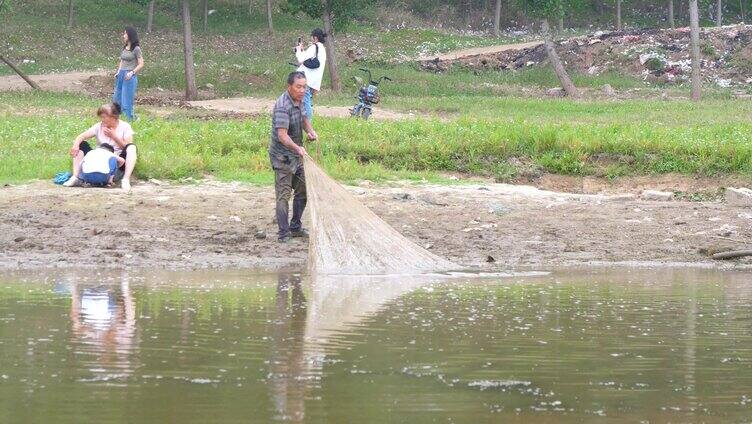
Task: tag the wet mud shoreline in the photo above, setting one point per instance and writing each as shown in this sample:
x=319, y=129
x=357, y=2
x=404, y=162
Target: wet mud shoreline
x=491, y=227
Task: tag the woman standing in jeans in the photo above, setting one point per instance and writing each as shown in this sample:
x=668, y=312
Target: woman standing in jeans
x=126, y=78
x=313, y=75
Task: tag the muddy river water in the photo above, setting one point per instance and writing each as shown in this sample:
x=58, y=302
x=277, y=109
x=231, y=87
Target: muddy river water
x=577, y=345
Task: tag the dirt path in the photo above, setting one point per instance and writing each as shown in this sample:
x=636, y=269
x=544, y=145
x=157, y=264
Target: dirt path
x=88, y=82
x=459, y=54
x=256, y=106
x=67, y=81
x=214, y=225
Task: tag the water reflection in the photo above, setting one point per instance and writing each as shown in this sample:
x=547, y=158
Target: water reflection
x=306, y=331
x=287, y=378
x=339, y=303
x=103, y=323
x=657, y=345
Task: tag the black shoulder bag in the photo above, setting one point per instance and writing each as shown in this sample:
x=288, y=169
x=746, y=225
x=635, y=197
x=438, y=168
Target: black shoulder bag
x=313, y=62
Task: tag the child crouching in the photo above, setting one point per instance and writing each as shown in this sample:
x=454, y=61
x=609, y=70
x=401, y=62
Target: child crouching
x=99, y=166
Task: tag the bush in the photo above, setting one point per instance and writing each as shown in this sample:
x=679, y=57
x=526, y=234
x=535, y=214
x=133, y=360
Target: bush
x=655, y=64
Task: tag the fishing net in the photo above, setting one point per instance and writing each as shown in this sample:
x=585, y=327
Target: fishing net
x=347, y=238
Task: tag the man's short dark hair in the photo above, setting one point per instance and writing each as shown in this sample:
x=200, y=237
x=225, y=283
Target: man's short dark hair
x=295, y=76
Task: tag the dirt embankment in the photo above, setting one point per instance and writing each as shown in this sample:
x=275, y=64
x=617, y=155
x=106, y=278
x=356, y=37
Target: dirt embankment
x=257, y=106
x=480, y=51
x=656, y=55
x=490, y=226
x=99, y=84
x=94, y=83
x=66, y=81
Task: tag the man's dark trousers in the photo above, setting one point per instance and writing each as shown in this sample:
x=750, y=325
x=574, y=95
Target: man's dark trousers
x=289, y=177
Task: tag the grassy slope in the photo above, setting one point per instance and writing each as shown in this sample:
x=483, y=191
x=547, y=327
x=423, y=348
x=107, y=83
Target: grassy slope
x=491, y=135
x=555, y=136
x=237, y=51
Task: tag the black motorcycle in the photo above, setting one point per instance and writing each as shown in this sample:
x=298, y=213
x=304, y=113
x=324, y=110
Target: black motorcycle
x=368, y=95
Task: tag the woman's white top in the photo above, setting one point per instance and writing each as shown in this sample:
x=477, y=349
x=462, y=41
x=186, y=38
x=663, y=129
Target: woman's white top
x=313, y=76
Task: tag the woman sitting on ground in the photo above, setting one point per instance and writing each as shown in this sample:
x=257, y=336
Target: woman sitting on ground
x=110, y=130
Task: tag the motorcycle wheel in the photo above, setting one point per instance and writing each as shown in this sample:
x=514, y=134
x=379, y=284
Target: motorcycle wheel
x=366, y=114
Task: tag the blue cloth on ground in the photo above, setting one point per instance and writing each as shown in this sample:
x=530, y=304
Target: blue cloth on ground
x=62, y=177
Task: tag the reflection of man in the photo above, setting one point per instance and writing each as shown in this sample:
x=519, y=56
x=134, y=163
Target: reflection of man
x=287, y=381
x=104, y=324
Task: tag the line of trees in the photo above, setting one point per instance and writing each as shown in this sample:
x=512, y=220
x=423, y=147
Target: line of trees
x=337, y=13
x=326, y=10
x=323, y=9
x=521, y=12
x=150, y=8
x=496, y=12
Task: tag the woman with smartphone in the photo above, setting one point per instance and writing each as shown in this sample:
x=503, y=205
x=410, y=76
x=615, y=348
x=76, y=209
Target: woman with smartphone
x=312, y=61
x=126, y=78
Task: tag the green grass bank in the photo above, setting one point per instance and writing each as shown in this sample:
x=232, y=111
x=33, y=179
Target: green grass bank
x=526, y=136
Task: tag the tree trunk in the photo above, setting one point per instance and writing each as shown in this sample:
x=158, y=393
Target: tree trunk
x=206, y=15
x=694, y=29
x=331, y=63
x=741, y=11
x=719, y=13
x=467, y=9
x=599, y=6
x=190, y=73
x=269, y=16
x=497, y=19
x=150, y=17
x=671, y=14
x=561, y=73
x=20, y=74
x=618, y=15
x=70, y=13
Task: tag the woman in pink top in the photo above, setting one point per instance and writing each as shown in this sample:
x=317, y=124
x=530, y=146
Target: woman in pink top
x=110, y=130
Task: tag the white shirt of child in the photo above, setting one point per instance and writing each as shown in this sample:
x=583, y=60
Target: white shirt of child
x=97, y=160
x=123, y=130
x=313, y=76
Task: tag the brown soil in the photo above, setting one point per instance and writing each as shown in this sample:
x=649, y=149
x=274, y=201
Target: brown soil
x=257, y=106
x=67, y=81
x=698, y=187
x=99, y=84
x=488, y=226
x=481, y=51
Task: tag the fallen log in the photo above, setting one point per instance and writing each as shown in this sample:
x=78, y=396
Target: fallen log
x=732, y=254
x=19, y=72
